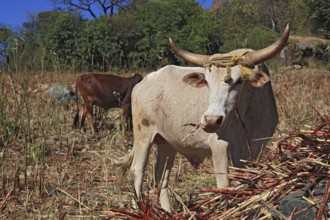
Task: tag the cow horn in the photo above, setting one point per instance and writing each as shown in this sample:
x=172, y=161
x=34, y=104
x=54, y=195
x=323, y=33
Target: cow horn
x=267, y=53
x=195, y=59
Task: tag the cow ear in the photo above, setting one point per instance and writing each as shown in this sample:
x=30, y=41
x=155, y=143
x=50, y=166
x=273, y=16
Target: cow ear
x=261, y=79
x=195, y=79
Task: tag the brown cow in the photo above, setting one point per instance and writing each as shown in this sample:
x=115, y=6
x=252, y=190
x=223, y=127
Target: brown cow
x=106, y=91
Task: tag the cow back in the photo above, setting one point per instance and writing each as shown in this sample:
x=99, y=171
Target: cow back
x=105, y=90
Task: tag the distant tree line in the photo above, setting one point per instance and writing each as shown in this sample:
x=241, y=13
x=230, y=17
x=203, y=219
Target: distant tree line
x=134, y=34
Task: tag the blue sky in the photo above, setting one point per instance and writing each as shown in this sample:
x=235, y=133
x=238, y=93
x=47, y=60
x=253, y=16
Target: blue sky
x=14, y=12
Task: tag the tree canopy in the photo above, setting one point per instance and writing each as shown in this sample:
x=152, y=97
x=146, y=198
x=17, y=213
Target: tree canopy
x=122, y=34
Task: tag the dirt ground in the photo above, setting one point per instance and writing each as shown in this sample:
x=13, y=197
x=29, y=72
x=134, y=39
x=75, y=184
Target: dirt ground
x=51, y=171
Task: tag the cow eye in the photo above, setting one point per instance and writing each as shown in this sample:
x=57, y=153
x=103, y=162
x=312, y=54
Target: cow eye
x=239, y=81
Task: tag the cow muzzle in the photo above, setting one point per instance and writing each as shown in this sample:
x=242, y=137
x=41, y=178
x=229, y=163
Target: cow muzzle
x=212, y=123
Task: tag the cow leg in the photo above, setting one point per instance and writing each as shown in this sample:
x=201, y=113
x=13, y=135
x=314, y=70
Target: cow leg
x=89, y=115
x=82, y=119
x=220, y=159
x=165, y=159
x=126, y=119
x=141, y=154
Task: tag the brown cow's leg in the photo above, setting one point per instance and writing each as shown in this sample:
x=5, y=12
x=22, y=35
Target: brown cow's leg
x=126, y=119
x=83, y=114
x=89, y=115
x=82, y=119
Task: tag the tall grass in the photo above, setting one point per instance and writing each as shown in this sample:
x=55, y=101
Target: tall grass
x=53, y=171
x=27, y=125
x=302, y=97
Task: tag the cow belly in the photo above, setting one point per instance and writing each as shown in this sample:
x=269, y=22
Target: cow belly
x=107, y=103
x=194, y=146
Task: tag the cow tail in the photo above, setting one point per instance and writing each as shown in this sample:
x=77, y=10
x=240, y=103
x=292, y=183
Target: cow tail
x=76, y=117
x=121, y=167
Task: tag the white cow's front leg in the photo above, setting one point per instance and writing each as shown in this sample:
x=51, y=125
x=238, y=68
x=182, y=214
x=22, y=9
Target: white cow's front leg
x=220, y=159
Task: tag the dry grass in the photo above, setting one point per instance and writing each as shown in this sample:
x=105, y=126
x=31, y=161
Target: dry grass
x=301, y=97
x=50, y=171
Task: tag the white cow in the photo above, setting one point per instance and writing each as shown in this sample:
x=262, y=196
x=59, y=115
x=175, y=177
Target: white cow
x=229, y=100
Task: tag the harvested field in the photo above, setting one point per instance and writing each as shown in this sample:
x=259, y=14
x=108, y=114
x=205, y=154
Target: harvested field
x=292, y=172
x=50, y=171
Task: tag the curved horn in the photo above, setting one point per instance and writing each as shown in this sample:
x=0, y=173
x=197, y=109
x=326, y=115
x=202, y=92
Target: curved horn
x=267, y=53
x=195, y=59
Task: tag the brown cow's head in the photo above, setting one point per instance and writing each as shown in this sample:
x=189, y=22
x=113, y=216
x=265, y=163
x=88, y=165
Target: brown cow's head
x=223, y=72
x=137, y=78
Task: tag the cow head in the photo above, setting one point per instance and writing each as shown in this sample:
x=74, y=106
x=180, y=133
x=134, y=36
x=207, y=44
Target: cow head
x=137, y=78
x=223, y=72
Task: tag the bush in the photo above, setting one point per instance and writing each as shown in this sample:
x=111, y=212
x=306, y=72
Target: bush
x=259, y=38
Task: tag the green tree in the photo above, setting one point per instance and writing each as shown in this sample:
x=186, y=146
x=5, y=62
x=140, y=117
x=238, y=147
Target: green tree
x=61, y=41
x=96, y=47
x=260, y=37
x=300, y=22
x=272, y=14
x=183, y=20
x=31, y=59
x=233, y=22
x=320, y=17
x=253, y=24
x=6, y=34
x=134, y=34
x=94, y=8
x=34, y=33
x=126, y=33
x=11, y=50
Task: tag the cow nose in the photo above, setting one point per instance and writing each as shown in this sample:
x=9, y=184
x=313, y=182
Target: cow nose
x=212, y=122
